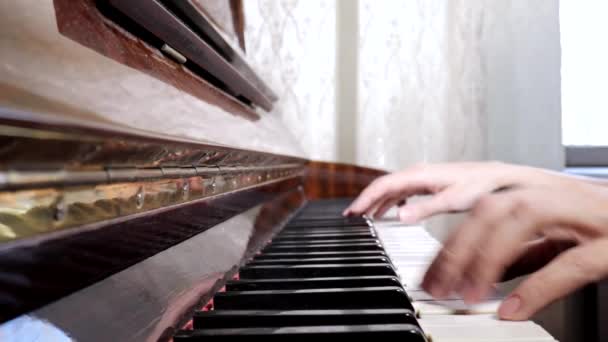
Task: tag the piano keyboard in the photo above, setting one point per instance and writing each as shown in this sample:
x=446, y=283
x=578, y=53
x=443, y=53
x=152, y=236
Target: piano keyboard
x=324, y=275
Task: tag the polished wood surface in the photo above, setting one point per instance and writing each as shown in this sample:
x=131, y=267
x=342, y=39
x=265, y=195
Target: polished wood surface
x=87, y=97
x=82, y=21
x=85, y=77
x=238, y=15
x=331, y=180
x=33, y=275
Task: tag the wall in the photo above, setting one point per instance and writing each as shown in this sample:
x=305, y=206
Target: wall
x=521, y=49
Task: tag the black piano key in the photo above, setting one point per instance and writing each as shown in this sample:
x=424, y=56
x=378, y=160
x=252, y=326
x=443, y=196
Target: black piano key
x=310, y=283
x=301, y=255
x=316, y=271
x=333, y=236
x=314, y=299
x=399, y=332
x=324, y=242
x=322, y=261
x=321, y=248
x=328, y=230
x=223, y=319
x=314, y=228
x=315, y=222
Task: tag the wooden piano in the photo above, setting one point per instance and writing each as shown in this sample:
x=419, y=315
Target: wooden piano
x=148, y=194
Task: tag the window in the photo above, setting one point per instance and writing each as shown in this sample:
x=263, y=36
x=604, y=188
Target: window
x=584, y=42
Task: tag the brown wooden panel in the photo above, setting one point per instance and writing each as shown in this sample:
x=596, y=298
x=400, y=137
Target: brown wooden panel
x=238, y=15
x=82, y=21
x=222, y=14
x=334, y=180
x=56, y=267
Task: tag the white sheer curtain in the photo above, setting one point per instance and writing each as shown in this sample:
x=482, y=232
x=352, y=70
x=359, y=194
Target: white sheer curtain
x=437, y=80
x=292, y=44
x=420, y=82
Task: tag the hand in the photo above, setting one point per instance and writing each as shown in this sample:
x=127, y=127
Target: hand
x=495, y=235
x=455, y=187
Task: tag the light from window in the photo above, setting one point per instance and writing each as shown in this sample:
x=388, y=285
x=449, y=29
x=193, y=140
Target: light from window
x=584, y=41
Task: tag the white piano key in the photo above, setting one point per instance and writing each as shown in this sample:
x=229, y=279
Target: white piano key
x=455, y=307
x=412, y=249
x=488, y=331
x=420, y=295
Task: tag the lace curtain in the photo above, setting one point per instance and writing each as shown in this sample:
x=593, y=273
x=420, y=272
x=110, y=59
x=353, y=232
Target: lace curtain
x=436, y=80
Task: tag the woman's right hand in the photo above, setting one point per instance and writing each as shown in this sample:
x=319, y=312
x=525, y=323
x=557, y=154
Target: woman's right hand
x=454, y=187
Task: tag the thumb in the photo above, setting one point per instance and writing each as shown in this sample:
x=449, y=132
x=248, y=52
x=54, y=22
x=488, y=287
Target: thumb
x=569, y=271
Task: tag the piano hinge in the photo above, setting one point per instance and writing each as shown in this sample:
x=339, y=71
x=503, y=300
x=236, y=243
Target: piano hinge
x=28, y=179
x=38, y=201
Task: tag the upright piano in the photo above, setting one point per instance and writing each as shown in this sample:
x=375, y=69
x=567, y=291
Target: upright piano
x=148, y=193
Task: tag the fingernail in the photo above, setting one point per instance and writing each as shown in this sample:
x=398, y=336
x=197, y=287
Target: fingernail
x=509, y=307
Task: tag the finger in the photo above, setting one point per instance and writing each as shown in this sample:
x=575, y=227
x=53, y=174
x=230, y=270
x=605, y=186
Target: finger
x=499, y=249
x=522, y=221
x=443, y=202
x=386, y=206
x=375, y=192
x=447, y=270
x=569, y=271
x=385, y=187
x=535, y=256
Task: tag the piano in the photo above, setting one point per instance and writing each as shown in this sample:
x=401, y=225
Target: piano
x=147, y=193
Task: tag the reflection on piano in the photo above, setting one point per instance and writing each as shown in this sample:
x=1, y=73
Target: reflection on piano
x=114, y=232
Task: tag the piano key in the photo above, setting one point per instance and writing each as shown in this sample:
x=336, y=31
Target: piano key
x=419, y=296
x=334, y=236
x=454, y=306
x=221, y=319
x=337, y=219
x=314, y=227
x=310, y=283
x=313, y=223
x=316, y=271
x=314, y=299
x=326, y=230
x=324, y=242
x=335, y=230
x=322, y=248
x=412, y=249
x=322, y=261
x=400, y=332
x=483, y=328
x=329, y=254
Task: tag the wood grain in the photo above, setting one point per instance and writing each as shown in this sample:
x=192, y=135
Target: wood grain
x=335, y=180
x=83, y=22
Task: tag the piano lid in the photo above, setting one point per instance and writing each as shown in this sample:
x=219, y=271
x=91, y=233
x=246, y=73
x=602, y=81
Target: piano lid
x=80, y=59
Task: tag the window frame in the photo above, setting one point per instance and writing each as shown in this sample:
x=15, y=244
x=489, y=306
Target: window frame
x=586, y=156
